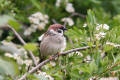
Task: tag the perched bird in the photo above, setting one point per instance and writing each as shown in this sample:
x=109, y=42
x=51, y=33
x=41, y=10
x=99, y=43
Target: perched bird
x=52, y=41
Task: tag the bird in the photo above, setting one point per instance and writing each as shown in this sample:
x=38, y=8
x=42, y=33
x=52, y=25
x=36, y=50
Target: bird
x=53, y=41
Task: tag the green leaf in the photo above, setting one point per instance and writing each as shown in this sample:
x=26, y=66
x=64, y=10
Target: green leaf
x=91, y=21
x=32, y=77
x=93, y=67
x=85, y=68
x=36, y=4
x=8, y=67
x=91, y=18
x=108, y=47
x=14, y=24
x=41, y=77
x=30, y=46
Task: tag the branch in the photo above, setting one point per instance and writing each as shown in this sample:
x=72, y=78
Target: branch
x=108, y=69
x=54, y=21
x=21, y=40
x=53, y=57
x=78, y=14
x=73, y=14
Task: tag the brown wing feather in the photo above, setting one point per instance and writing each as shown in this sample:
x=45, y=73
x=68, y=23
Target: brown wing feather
x=46, y=34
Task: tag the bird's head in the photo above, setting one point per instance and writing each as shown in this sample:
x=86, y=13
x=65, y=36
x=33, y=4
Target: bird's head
x=57, y=29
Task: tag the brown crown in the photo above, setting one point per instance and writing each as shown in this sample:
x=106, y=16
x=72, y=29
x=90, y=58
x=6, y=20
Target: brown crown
x=55, y=26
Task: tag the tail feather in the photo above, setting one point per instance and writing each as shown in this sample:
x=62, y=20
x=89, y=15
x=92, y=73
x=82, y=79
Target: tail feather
x=42, y=58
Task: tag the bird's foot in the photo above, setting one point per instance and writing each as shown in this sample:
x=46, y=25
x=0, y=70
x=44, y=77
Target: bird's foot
x=51, y=58
x=58, y=54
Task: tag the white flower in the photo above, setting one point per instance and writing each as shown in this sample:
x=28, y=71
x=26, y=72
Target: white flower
x=15, y=56
x=88, y=39
x=69, y=8
x=92, y=78
x=9, y=55
x=100, y=35
x=46, y=21
x=68, y=20
x=38, y=21
x=19, y=61
x=71, y=54
x=52, y=63
x=19, y=53
x=41, y=26
x=87, y=59
x=57, y=4
x=97, y=36
x=99, y=26
x=34, y=20
x=49, y=77
x=46, y=67
x=27, y=62
x=102, y=26
x=37, y=15
x=46, y=16
x=105, y=26
x=43, y=75
x=29, y=30
x=79, y=53
x=85, y=25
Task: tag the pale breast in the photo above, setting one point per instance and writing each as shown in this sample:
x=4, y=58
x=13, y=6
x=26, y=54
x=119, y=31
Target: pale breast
x=51, y=45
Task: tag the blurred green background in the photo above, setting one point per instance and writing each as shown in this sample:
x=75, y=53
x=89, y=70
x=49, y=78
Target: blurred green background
x=89, y=22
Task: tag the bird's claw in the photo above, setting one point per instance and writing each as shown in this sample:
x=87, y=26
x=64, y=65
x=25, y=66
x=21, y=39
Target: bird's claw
x=51, y=58
x=58, y=54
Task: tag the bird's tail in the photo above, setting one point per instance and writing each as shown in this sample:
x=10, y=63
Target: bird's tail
x=42, y=58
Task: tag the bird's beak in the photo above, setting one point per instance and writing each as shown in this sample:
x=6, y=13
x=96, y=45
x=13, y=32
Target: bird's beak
x=64, y=29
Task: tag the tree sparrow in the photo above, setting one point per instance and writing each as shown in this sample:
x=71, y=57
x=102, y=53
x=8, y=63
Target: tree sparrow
x=52, y=41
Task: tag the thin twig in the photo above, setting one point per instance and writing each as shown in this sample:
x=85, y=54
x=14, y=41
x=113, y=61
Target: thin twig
x=108, y=69
x=53, y=57
x=73, y=14
x=54, y=21
x=17, y=35
x=78, y=14
x=21, y=40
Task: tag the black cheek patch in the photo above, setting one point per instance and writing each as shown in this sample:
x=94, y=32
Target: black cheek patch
x=59, y=31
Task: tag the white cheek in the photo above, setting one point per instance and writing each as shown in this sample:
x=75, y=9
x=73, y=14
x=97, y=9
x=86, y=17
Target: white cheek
x=54, y=32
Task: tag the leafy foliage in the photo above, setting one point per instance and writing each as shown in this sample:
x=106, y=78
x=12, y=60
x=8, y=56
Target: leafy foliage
x=100, y=27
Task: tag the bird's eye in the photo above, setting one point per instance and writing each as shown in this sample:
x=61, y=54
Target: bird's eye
x=59, y=31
